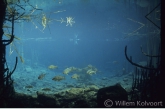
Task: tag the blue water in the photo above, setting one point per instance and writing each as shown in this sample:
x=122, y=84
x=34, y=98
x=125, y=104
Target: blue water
x=98, y=37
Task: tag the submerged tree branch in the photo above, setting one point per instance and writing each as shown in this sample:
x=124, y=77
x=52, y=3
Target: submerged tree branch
x=130, y=60
x=147, y=54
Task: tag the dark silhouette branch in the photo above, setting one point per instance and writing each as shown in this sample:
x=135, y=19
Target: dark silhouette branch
x=12, y=32
x=150, y=13
x=147, y=54
x=130, y=60
x=9, y=75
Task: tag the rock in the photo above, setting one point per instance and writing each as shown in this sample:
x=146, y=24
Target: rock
x=93, y=88
x=47, y=100
x=74, y=92
x=66, y=98
x=91, y=94
x=77, y=98
x=21, y=100
x=113, y=93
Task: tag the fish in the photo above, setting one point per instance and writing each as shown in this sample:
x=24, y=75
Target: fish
x=91, y=72
x=41, y=76
x=46, y=89
x=52, y=67
x=75, y=76
x=58, y=78
x=29, y=86
x=67, y=70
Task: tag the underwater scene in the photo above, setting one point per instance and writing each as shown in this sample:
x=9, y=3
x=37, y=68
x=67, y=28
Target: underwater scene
x=74, y=46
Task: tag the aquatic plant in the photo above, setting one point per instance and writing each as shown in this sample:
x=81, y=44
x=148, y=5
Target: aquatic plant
x=11, y=12
x=147, y=80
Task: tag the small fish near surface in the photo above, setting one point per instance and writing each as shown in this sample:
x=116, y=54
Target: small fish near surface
x=41, y=76
x=52, y=67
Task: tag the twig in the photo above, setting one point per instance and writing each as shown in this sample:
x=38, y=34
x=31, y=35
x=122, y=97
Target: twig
x=147, y=54
x=150, y=13
x=130, y=60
